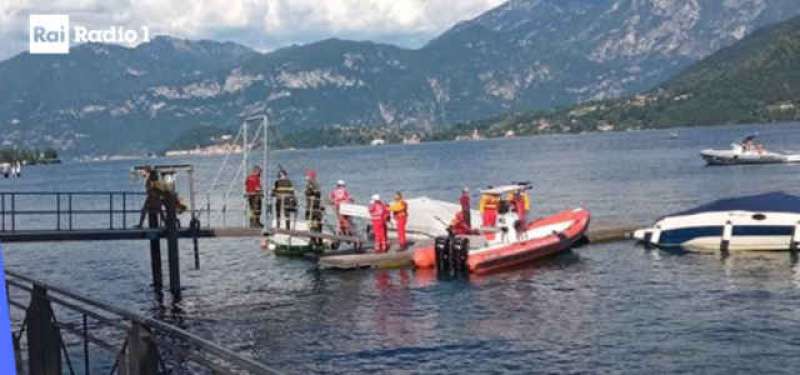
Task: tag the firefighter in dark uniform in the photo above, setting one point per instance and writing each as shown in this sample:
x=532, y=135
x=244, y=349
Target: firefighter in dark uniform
x=314, y=209
x=285, y=200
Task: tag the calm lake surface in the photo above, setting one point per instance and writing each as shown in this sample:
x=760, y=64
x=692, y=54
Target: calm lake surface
x=612, y=308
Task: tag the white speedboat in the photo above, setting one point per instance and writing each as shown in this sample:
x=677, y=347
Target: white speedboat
x=766, y=222
x=746, y=152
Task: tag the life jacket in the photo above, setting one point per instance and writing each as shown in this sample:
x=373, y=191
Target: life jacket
x=399, y=209
x=378, y=212
x=491, y=202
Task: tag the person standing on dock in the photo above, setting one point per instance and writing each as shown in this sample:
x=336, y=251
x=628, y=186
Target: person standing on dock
x=254, y=193
x=399, y=210
x=153, y=201
x=285, y=200
x=379, y=214
x=463, y=200
x=314, y=209
x=338, y=196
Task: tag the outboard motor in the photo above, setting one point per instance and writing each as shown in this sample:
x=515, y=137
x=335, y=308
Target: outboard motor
x=460, y=254
x=451, y=256
x=442, y=248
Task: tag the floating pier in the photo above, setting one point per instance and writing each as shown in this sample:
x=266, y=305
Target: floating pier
x=608, y=232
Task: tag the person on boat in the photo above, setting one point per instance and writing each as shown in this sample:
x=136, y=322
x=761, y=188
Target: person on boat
x=521, y=204
x=463, y=200
x=254, y=193
x=399, y=210
x=338, y=196
x=379, y=215
x=459, y=224
x=314, y=209
x=285, y=200
x=490, y=203
x=153, y=202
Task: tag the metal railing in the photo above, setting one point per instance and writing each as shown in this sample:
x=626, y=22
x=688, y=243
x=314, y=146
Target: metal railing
x=112, y=207
x=137, y=344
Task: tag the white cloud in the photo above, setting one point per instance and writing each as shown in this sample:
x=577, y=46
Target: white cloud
x=262, y=24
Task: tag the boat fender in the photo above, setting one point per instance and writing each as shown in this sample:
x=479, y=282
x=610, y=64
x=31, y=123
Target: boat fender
x=727, y=233
x=795, y=238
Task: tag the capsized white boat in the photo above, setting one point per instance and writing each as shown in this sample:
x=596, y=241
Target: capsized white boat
x=746, y=152
x=765, y=222
x=430, y=216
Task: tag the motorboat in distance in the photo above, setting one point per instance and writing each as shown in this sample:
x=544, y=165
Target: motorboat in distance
x=765, y=222
x=747, y=152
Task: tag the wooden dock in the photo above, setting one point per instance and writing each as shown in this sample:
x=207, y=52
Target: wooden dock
x=597, y=234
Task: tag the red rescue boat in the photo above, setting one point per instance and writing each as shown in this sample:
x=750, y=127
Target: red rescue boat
x=504, y=248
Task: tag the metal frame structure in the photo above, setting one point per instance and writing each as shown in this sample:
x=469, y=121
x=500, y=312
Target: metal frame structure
x=65, y=210
x=139, y=344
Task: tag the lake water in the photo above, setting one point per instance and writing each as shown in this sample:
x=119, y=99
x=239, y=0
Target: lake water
x=613, y=308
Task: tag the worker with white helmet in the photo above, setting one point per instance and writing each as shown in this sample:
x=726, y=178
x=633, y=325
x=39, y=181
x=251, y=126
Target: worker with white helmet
x=379, y=214
x=338, y=196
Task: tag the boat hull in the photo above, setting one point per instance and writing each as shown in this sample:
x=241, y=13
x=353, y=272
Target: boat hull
x=724, y=231
x=730, y=157
x=544, y=237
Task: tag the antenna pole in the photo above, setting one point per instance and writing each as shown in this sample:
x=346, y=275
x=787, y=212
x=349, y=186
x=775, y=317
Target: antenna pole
x=264, y=167
x=244, y=167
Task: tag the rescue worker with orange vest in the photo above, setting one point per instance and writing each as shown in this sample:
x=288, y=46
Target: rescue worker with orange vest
x=489, y=204
x=338, y=196
x=399, y=210
x=379, y=215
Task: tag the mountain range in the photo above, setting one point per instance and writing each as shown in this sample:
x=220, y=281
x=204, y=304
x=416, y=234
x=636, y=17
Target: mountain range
x=523, y=55
x=753, y=81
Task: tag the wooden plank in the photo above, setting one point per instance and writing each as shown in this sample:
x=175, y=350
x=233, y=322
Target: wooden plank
x=605, y=230
x=307, y=234
x=368, y=260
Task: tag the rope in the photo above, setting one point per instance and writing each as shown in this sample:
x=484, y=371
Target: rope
x=225, y=161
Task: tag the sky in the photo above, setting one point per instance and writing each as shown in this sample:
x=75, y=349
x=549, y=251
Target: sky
x=261, y=24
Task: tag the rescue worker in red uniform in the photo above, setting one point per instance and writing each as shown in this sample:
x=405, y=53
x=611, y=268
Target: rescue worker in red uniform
x=338, y=196
x=254, y=194
x=379, y=214
x=399, y=209
x=463, y=200
x=459, y=224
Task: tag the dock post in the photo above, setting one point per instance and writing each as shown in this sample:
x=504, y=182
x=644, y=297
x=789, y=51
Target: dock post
x=195, y=226
x=155, y=253
x=44, y=336
x=172, y=247
x=141, y=356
